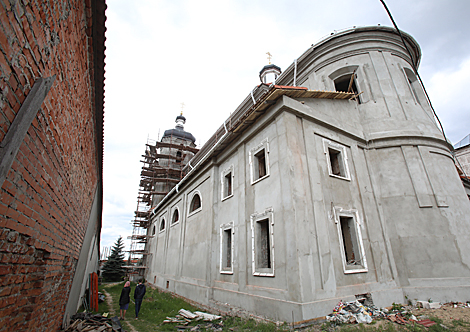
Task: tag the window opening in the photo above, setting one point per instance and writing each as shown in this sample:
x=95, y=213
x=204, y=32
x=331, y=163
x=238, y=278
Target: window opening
x=350, y=245
x=178, y=157
x=176, y=217
x=347, y=83
x=153, y=231
x=336, y=162
x=263, y=244
x=195, y=203
x=162, y=225
x=260, y=164
x=228, y=185
x=227, y=249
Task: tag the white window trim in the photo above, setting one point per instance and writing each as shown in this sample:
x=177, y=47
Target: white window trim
x=267, y=214
x=223, y=228
x=344, y=156
x=340, y=212
x=191, y=200
x=264, y=144
x=179, y=216
x=222, y=181
x=162, y=217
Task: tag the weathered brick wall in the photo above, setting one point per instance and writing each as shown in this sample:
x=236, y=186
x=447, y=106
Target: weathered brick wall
x=46, y=198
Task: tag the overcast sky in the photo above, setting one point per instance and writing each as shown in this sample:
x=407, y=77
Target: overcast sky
x=208, y=54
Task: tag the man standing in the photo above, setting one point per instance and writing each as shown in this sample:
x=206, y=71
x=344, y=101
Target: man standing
x=139, y=293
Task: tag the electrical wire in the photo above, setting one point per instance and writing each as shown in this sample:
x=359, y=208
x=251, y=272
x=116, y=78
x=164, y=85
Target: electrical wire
x=415, y=69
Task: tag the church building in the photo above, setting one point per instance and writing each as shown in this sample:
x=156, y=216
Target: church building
x=331, y=180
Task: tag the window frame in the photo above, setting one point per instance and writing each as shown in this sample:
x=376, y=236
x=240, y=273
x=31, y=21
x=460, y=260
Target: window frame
x=344, y=71
x=341, y=149
x=255, y=218
x=357, y=222
x=175, y=209
x=161, y=221
x=223, y=175
x=264, y=144
x=224, y=228
x=194, y=193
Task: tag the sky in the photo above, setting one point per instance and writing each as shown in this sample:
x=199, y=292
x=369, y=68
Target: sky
x=207, y=54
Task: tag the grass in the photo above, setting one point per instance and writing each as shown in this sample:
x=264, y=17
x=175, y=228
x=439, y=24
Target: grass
x=158, y=305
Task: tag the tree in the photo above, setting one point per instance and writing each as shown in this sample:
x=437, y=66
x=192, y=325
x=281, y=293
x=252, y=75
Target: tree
x=113, y=268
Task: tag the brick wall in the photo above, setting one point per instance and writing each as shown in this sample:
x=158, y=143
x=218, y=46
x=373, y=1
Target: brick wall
x=48, y=193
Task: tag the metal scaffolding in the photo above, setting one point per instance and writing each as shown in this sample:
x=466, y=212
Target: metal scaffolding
x=162, y=169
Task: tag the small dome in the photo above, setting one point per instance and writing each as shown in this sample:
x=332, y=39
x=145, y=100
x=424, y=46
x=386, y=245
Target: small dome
x=269, y=73
x=179, y=131
x=181, y=117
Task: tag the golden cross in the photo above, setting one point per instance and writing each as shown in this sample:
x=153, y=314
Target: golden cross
x=182, y=107
x=269, y=57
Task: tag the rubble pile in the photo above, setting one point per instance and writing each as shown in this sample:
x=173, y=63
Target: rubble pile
x=87, y=322
x=185, y=317
x=354, y=312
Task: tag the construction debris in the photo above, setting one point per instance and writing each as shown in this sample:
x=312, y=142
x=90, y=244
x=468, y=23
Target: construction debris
x=354, y=312
x=185, y=317
x=87, y=322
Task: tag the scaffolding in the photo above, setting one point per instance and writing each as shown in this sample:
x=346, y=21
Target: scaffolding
x=162, y=169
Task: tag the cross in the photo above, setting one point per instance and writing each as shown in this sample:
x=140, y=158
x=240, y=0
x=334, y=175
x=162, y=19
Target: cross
x=182, y=107
x=269, y=57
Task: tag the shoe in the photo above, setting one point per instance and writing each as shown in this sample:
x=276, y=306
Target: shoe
x=136, y=318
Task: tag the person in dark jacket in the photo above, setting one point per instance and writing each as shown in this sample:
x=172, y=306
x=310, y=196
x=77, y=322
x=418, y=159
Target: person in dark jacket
x=139, y=293
x=124, y=299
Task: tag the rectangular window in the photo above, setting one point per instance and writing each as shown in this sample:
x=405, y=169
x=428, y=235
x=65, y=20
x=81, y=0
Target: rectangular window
x=350, y=246
x=262, y=228
x=226, y=248
x=350, y=238
x=263, y=252
x=227, y=183
x=337, y=160
x=259, y=161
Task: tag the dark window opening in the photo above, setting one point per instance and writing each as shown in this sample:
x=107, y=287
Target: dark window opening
x=350, y=245
x=195, y=203
x=347, y=83
x=162, y=225
x=260, y=165
x=153, y=231
x=263, y=247
x=336, y=162
x=176, y=217
x=227, y=249
x=228, y=185
x=178, y=157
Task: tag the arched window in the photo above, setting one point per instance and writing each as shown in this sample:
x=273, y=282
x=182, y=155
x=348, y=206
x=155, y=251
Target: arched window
x=162, y=225
x=178, y=157
x=176, y=217
x=195, y=203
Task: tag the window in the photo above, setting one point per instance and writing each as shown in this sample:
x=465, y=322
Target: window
x=226, y=248
x=262, y=228
x=336, y=159
x=162, y=225
x=259, y=161
x=350, y=238
x=153, y=230
x=178, y=157
x=413, y=84
x=227, y=183
x=176, y=216
x=347, y=83
x=195, y=203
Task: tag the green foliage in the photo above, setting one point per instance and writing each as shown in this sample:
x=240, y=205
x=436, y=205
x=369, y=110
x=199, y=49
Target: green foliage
x=113, y=268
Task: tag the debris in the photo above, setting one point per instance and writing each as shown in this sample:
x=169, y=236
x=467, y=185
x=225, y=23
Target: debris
x=188, y=314
x=87, y=322
x=354, y=312
x=426, y=322
x=206, y=316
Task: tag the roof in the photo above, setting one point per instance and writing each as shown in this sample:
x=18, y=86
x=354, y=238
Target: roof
x=463, y=142
x=179, y=133
x=270, y=66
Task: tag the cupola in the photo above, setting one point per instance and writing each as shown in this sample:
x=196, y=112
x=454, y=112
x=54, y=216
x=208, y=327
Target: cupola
x=270, y=72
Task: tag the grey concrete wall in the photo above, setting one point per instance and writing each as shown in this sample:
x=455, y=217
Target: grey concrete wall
x=410, y=210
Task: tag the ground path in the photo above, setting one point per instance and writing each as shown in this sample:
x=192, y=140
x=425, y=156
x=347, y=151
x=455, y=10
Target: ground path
x=109, y=301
